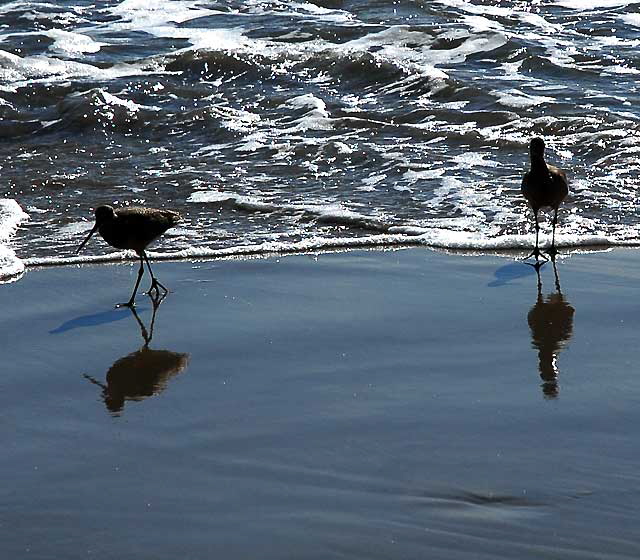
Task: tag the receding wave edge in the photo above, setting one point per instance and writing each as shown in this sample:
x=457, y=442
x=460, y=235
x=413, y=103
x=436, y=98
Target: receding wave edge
x=451, y=241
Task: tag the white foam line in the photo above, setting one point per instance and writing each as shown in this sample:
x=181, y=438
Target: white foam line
x=11, y=267
x=64, y=42
x=585, y=5
x=16, y=71
x=11, y=216
x=436, y=239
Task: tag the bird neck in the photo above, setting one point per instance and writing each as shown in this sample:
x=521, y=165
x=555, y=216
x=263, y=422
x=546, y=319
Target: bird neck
x=538, y=163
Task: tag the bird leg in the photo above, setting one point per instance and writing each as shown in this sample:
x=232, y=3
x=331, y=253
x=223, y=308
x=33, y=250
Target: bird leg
x=536, y=251
x=552, y=250
x=154, y=282
x=131, y=301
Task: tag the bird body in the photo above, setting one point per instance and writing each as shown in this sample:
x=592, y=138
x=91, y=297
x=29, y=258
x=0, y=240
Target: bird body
x=543, y=186
x=133, y=228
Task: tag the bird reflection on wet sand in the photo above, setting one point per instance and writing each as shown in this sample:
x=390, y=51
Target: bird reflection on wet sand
x=141, y=374
x=551, y=324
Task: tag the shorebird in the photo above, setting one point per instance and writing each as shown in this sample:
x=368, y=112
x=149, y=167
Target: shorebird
x=543, y=185
x=133, y=228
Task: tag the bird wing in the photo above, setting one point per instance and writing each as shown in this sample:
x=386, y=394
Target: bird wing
x=560, y=183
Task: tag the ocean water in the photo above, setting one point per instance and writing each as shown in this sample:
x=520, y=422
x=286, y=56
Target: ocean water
x=295, y=126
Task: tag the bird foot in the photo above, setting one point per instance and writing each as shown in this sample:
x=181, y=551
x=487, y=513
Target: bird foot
x=537, y=253
x=130, y=304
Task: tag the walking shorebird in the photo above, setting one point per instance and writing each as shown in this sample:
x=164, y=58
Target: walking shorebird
x=543, y=185
x=133, y=228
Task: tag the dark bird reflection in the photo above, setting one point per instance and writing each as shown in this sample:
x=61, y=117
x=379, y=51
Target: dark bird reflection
x=142, y=373
x=551, y=324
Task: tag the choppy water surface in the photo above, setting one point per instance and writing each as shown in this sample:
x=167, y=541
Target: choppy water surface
x=287, y=125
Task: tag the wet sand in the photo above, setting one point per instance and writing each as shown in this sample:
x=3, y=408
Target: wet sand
x=405, y=404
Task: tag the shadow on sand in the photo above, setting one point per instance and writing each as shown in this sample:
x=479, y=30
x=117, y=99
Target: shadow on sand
x=143, y=373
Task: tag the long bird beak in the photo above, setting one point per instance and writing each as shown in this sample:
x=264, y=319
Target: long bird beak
x=93, y=230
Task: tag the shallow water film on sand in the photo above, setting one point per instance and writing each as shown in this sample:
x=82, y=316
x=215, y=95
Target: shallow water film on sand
x=358, y=405
x=300, y=125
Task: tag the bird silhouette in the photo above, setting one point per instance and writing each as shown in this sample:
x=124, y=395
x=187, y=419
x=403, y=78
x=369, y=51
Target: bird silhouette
x=543, y=185
x=133, y=228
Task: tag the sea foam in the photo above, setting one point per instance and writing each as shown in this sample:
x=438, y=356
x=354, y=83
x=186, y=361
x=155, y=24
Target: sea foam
x=397, y=237
x=11, y=216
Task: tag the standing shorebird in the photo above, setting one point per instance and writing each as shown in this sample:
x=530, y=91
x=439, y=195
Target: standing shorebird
x=543, y=185
x=133, y=228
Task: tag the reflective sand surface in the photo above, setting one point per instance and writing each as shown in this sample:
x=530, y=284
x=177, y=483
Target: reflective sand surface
x=360, y=405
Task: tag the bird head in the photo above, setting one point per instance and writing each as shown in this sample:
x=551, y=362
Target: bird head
x=536, y=147
x=103, y=214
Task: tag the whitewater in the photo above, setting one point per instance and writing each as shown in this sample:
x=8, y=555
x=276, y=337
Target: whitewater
x=280, y=126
